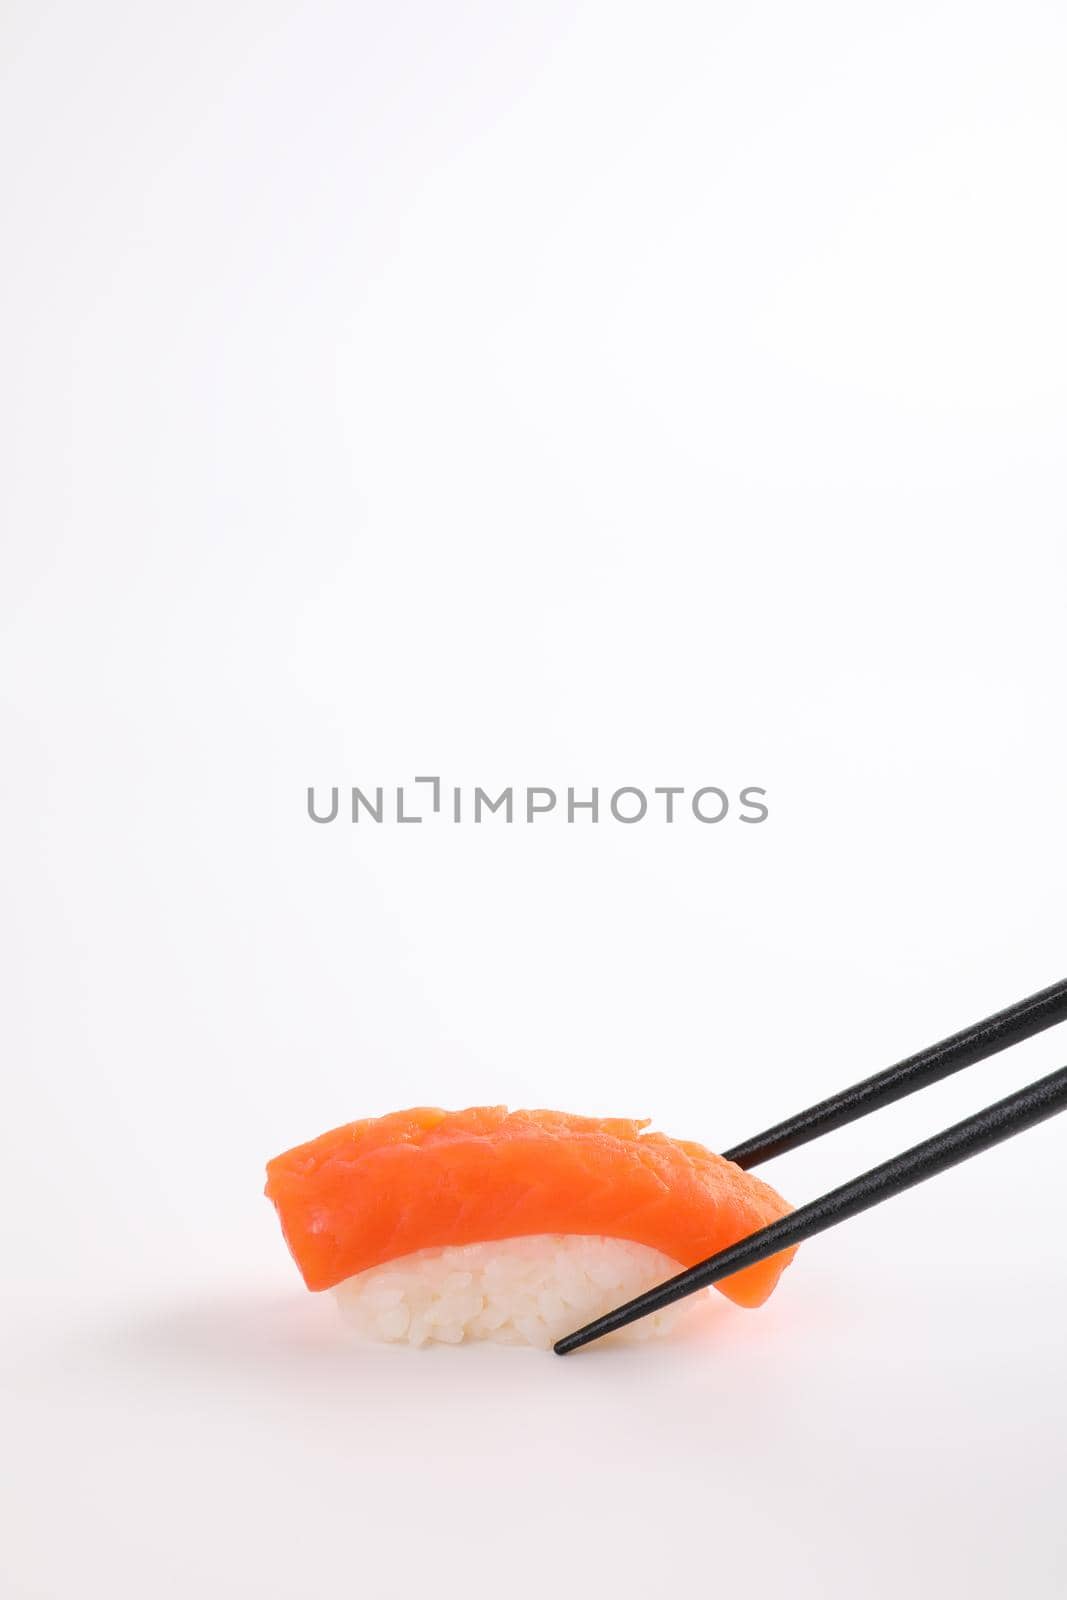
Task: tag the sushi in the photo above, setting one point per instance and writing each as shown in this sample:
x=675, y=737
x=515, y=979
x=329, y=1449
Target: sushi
x=515, y=1226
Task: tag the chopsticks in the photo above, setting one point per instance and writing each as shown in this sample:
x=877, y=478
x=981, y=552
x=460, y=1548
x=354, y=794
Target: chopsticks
x=982, y=1039
x=1019, y=1111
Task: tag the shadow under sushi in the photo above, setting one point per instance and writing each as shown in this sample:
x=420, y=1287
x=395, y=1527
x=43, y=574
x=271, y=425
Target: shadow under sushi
x=258, y=1336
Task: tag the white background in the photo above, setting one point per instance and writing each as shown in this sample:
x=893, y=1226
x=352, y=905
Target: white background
x=553, y=394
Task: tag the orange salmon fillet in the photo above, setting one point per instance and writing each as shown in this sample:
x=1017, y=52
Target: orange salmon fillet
x=425, y=1178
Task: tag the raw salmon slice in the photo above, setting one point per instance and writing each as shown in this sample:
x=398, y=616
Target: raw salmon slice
x=375, y=1190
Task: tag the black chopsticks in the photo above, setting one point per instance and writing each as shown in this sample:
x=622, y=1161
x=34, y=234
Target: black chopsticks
x=998, y=1122
x=986, y=1038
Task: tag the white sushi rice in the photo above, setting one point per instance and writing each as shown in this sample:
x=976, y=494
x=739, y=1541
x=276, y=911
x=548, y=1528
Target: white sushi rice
x=514, y=1291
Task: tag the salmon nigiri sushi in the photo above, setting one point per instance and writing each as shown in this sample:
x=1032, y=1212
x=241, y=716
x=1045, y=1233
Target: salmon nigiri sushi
x=515, y=1226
